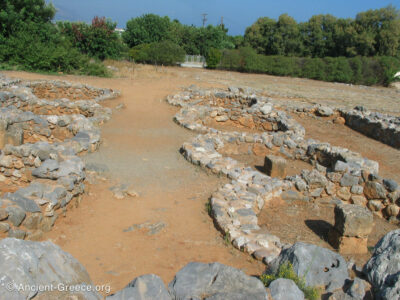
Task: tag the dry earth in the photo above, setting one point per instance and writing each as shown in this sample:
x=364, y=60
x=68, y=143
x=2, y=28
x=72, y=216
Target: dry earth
x=140, y=148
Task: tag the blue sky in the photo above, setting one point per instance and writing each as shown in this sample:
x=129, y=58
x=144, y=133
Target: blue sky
x=238, y=14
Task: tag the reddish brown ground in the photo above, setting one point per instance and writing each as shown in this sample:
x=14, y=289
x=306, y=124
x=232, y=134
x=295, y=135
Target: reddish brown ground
x=298, y=221
x=50, y=92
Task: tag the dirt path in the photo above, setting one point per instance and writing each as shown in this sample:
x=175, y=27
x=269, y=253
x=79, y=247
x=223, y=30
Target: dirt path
x=140, y=147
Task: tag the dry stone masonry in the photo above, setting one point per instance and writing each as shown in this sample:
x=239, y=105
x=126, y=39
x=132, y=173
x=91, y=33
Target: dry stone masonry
x=337, y=176
x=41, y=141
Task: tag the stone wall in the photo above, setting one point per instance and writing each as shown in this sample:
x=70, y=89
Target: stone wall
x=40, y=141
x=338, y=174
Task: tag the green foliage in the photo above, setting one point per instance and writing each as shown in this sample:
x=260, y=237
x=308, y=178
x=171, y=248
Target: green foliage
x=146, y=29
x=162, y=53
x=151, y=28
x=14, y=13
x=286, y=271
x=213, y=58
x=139, y=53
x=29, y=41
x=97, y=40
x=40, y=47
x=355, y=70
x=371, y=33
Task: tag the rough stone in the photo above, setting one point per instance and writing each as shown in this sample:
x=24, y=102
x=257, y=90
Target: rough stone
x=383, y=268
x=275, y=166
x=4, y=227
x=15, y=215
x=353, y=220
x=16, y=233
x=374, y=190
x=36, y=264
x=217, y=281
x=143, y=288
x=319, y=266
x=325, y=111
x=3, y=214
x=285, y=289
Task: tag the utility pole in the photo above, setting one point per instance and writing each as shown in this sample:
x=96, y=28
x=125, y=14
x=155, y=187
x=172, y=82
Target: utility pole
x=204, y=19
x=222, y=21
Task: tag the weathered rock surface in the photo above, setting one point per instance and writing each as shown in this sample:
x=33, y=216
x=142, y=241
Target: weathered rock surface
x=319, y=266
x=38, y=264
x=285, y=289
x=215, y=281
x=145, y=287
x=383, y=269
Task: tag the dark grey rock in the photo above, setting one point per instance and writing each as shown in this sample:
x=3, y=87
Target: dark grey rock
x=39, y=263
x=215, y=281
x=26, y=204
x=357, y=289
x=16, y=233
x=349, y=180
x=47, y=166
x=319, y=266
x=285, y=289
x=15, y=215
x=145, y=287
x=383, y=269
x=390, y=185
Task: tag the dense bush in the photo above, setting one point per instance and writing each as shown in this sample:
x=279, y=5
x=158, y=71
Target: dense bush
x=29, y=41
x=355, y=70
x=162, y=53
x=213, y=58
x=151, y=28
x=40, y=47
x=97, y=40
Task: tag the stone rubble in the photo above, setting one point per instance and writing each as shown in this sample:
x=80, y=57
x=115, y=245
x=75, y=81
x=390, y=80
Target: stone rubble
x=41, y=142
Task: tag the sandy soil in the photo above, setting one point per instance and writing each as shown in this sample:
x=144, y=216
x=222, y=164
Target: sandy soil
x=140, y=148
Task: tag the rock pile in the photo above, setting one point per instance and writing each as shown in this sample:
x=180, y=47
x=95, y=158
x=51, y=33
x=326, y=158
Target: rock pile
x=40, y=141
x=35, y=265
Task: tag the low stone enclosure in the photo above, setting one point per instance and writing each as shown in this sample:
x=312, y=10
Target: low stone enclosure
x=337, y=175
x=41, y=140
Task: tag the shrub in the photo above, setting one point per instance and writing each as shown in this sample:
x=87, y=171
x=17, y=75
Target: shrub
x=40, y=47
x=162, y=53
x=286, y=271
x=356, y=70
x=97, y=40
x=213, y=58
x=140, y=53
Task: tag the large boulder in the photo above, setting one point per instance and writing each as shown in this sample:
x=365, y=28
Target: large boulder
x=40, y=265
x=143, y=288
x=285, y=289
x=383, y=269
x=319, y=266
x=215, y=281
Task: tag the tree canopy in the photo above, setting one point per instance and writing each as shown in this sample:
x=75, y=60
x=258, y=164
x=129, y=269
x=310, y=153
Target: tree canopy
x=371, y=33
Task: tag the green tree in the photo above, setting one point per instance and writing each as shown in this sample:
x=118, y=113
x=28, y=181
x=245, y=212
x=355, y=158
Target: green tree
x=96, y=40
x=14, y=13
x=146, y=29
